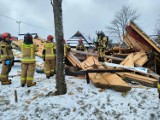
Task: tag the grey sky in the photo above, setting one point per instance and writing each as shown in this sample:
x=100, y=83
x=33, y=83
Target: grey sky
x=86, y=16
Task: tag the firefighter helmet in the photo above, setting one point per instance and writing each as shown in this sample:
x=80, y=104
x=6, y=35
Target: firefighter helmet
x=28, y=39
x=80, y=41
x=64, y=41
x=6, y=34
x=50, y=38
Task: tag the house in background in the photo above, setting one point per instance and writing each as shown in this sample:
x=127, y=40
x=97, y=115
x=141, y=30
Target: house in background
x=73, y=41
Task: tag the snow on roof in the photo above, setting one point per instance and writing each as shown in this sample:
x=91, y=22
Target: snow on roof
x=73, y=41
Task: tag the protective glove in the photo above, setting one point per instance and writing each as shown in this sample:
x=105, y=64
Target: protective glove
x=8, y=62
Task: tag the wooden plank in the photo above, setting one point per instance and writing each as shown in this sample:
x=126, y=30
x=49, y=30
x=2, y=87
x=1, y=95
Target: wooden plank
x=96, y=55
x=142, y=79
x=139, y=78
x=128, y=61
x=74, y=61
x=116, y=82
x=140, y=58
x=135, y=44
x=104, y=80
x=96, y=78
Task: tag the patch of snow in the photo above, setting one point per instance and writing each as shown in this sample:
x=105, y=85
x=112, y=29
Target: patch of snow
x=82, y=102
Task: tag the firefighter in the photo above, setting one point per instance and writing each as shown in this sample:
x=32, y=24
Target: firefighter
x=66, y=48
x=49, y=57
x=101, y=45
x=7, y=58
x=158, y=86
x=80, y=45
x=28, y=61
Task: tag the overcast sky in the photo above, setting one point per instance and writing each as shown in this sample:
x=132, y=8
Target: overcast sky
x=87, y=16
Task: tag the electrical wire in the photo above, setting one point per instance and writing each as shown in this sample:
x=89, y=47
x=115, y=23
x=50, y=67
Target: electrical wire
x=17, y=21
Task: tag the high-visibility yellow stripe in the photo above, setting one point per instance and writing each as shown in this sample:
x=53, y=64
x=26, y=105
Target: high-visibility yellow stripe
x=49, y=55
x=48, y=45
x=29, y=78
x=23, y=79
x=28, y=60
x=158, y=86
x=3, y=76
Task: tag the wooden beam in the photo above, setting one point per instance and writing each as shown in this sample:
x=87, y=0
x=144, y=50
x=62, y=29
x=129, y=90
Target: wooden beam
x=94, y=54
x=141, y=79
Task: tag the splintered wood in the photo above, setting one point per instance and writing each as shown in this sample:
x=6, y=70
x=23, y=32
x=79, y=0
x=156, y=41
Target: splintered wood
x=104, y=80
x=140, y=59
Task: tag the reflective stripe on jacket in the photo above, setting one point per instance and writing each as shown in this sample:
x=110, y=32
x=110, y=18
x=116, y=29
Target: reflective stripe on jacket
x=80, y=47
x=28, y=53
x=49, y=50
x=102, y=42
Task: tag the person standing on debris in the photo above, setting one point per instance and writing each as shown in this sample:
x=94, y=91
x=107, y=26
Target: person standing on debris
x=28, y=60
x=66, y=48
x=102, y=41
x=49, y=56
x=7, y=58
x=80, y=45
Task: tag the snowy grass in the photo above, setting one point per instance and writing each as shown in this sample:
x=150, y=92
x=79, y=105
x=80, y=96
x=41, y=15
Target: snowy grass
x=82, y=101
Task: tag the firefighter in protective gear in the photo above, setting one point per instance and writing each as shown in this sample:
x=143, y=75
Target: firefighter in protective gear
x=7, y=58
x=80, y=45
x=158, y=87
x=66, y=48
x=102, y=41
x=49, y=56
x=28, y=61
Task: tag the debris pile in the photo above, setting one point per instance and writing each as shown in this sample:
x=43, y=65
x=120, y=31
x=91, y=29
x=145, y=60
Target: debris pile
x=124, y=68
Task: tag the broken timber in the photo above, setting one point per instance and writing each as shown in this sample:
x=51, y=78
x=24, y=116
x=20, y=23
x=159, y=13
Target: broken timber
x=74, y=61
x=130, y=61
x=96, y=55
x=104, y=80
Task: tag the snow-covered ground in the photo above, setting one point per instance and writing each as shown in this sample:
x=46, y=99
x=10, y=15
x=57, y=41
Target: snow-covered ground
x=82, y=101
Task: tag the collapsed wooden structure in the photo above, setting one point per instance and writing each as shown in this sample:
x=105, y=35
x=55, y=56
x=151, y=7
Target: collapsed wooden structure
x=119, y=77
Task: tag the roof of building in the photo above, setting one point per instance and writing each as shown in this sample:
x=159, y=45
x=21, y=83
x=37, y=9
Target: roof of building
x=73, y=41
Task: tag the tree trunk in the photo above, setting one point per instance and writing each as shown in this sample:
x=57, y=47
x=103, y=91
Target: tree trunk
x=60, y=74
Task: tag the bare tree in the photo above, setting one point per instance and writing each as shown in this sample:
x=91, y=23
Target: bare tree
x=60, y=75
x=121, y=19
x=157, y=30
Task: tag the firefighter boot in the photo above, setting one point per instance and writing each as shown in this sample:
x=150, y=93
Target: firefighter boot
x=99, y=59
x=23, y=83
x=52, y=73
x=48, y=76
x=30, y=83
x=158, y=87
x=6, y=82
